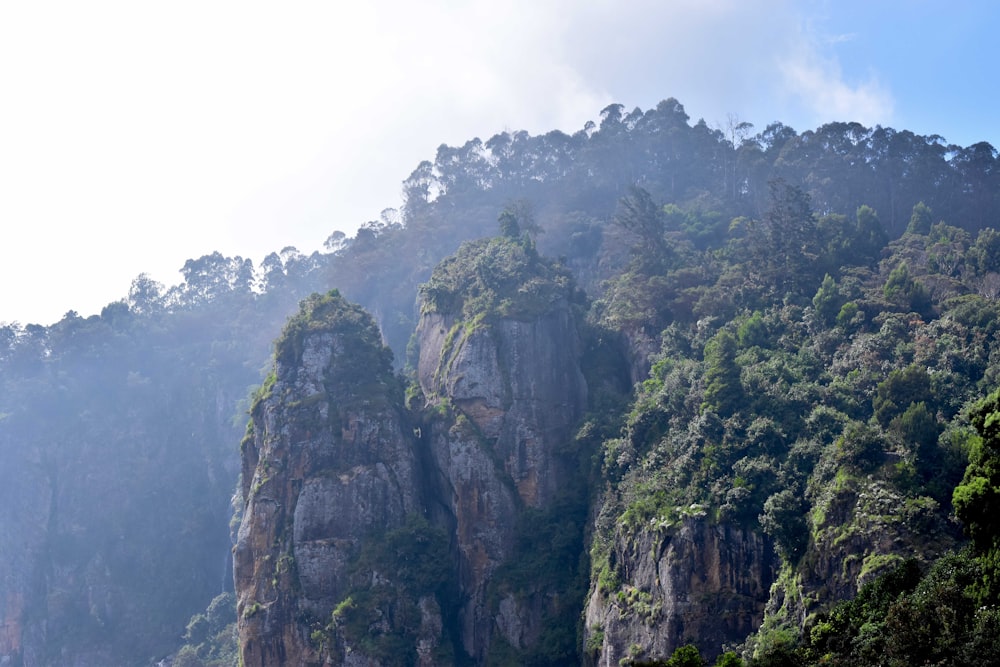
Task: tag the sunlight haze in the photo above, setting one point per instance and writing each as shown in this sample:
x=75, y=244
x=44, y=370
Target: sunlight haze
x=134, y=136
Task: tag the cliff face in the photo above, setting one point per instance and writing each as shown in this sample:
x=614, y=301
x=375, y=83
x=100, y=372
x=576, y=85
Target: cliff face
x=516, y=392
x=111, y=527
x=328, y=462
x=25, y=500
x=518, y=382
x=451, y=531
x=865, y=529
x=371, y=535
x=701, y=583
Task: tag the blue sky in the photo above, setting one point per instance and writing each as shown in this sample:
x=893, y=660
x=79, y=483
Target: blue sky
x=936, y=59
x=134, y=136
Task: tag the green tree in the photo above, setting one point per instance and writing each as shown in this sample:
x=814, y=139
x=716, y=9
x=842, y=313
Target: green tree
x=187, y=657
x=197, y=629
x=984, y=255
x=869, y=237
x=639, y=215
x=498, y=276
x=753, y=331
x=214, y=276
x=920, y=220
x=145, y=295
x=518, y=218
x=221, y=612
x=861, y=446
x=723, y=389
x=828, y=300
x=784, y=246
x=903, y=388
x=509, y=227
x=729, y=659
x=902, y=290
x=918, y=430
x=784, y=520
x=685, y=656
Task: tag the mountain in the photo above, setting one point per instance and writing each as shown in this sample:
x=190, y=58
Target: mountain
x=740, y=399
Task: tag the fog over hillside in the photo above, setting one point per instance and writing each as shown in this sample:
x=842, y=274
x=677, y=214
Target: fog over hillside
x=640, y=390
x=136, y=137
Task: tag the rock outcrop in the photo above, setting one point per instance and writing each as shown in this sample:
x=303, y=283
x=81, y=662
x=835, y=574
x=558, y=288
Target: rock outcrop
x=328, y=463
x=371, y=535
x=25, y=507
x=516, y=391
x=114, y=501
x=867, y=529
x=518, y=382
x=694, y=583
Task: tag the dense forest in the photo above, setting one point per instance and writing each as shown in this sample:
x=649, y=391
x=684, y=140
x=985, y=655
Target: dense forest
x=789, y=340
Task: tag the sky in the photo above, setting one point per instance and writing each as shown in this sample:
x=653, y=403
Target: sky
x=137, y=135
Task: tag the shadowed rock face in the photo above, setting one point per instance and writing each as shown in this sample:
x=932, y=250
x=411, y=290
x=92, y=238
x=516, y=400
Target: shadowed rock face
x=327, y=461
x=331, y=458
x=701, y=583
x=25, y=507
x=516, y=392
x=334, y=467
x=518, y=382
x=108, y=520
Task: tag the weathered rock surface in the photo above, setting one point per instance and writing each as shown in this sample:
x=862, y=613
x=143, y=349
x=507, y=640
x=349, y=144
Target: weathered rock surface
x=25, y=500
x=519, y=382
x=327, y=462
x=373, y=535
x=700, y=583
x=334, y=472
x=109, y=527
x=868, y=529
x=516, y=392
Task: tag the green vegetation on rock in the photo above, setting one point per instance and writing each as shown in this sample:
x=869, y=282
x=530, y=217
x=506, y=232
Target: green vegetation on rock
x=360, y=350
x=502, y=276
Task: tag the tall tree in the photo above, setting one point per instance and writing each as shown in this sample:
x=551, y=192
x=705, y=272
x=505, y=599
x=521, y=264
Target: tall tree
x=784, y=246
x=639, y=215
x=723, y=389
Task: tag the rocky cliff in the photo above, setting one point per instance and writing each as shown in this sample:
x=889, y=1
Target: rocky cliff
x=329, y=464
x=372, y=535
x=515, y=392
x=691, y=583
x=25, y=500
x=499, y=367
x=114, y=501
x=860, y=530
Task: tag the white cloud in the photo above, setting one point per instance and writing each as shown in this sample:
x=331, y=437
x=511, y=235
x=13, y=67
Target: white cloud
x=134, y=135
x=816, y=82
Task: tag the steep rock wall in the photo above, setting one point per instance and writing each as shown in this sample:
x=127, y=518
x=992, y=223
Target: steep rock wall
x=516, y=392
x=25, y=508
x=699, y=583
x=111, y=527
x=860, y=530
x=328, y=461
x=372, y=535
x=520, y=384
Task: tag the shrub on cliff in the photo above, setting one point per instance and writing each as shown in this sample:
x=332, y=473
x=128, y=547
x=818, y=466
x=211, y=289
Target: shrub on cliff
x=502, y=276
x=362, y=355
